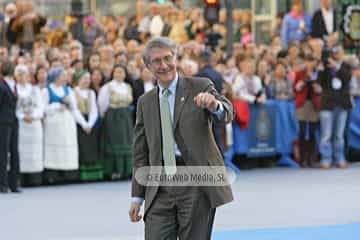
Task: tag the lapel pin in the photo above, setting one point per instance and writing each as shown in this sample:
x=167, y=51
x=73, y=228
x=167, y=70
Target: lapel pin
x=182, y=99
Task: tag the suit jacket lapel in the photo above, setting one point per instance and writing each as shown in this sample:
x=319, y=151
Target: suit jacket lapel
x=154, y=108
x=9, y=88
x=180, y=99
x=322, y=21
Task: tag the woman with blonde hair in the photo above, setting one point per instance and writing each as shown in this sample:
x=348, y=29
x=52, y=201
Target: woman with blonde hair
x=29, y=111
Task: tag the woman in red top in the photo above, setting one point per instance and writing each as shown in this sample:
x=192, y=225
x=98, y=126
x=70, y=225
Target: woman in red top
x=307, y=101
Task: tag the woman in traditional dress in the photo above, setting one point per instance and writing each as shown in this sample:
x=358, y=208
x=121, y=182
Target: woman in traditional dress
x=60, y=137
x=29, y=111
x=87, y=130
x=117, y=129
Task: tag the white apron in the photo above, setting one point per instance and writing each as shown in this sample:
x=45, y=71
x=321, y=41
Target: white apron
x=60, y=142
x=30, y=134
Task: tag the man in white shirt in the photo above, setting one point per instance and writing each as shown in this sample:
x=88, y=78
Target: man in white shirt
x=324, y=21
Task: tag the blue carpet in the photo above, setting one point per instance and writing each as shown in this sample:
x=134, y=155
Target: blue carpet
x=337, y=232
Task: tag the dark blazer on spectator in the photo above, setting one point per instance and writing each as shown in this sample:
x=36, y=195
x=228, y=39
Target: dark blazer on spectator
x=138, y=89
x=7, y=104
x=318, y=28
x=303, y=95
x=331, y=98
x=209, y=72
x=8, y=138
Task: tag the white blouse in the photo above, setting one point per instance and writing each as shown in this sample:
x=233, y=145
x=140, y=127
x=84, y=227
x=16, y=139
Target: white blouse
x=246, y=89
x=52, y=108
x=29, y=102
x=93, y=110
x=121, y=88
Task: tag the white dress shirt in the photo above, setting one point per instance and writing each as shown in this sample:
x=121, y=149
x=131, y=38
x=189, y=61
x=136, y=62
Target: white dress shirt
x=328, y=16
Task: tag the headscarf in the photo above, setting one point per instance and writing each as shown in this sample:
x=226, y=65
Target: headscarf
x=54, y=74
x=77, y=76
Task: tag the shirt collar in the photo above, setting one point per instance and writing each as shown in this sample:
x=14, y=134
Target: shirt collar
x=172, y=86
x=9, y=80
x=329, y=11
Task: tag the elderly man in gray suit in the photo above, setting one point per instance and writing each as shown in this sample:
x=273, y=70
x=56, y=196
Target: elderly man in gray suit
x=173, y=130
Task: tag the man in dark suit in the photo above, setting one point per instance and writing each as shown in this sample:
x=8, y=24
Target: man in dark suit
x=173, y=130
x=8, y=130
x=324, y=21
x=142, y=85
x=208, y=71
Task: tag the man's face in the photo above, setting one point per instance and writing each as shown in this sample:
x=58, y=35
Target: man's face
x=162, y=64
x=326, y=3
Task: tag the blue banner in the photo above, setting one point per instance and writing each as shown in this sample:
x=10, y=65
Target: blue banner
x=262, y=131
x=354, y=125
x=287, y=126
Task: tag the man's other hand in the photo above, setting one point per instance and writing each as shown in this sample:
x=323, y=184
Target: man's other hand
x=134, y=212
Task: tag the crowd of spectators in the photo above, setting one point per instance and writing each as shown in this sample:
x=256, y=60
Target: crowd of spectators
x=76, y=93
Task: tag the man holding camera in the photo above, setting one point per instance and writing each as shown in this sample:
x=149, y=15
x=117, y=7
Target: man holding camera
x=335, y=103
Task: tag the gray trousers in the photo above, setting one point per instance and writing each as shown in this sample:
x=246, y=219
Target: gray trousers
x=182, y=213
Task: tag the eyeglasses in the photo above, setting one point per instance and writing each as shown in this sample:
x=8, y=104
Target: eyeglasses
x=157, y=61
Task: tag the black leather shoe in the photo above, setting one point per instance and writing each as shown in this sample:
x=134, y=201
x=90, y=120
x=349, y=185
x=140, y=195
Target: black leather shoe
x=4, y=190
x=16, y=190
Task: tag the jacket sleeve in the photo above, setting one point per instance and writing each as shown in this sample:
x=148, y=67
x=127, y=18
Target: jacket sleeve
x=228, y=111
x=315, y=28
x=1, y=94
x=298, y=78
x=141, y=151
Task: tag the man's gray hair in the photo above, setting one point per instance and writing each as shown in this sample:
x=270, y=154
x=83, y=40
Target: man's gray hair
x=158, y=42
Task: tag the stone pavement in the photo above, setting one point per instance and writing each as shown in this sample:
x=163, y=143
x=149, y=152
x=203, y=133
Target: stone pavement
x=264, y=199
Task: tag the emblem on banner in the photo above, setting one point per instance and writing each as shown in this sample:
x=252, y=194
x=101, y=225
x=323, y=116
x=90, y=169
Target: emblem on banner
x=262, y=126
